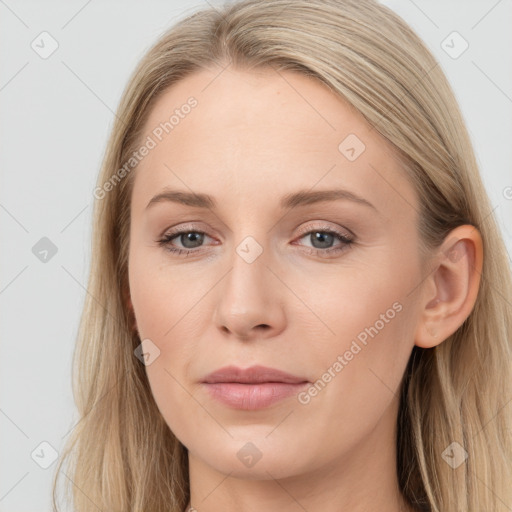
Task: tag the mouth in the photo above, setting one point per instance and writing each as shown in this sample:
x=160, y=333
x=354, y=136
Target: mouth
x=252, y=388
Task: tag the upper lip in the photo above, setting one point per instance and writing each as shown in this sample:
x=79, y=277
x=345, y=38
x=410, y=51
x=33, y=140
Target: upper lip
x=253, y=375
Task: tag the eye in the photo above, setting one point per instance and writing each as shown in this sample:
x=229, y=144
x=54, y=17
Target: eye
x=190, y=240
x=322, y=240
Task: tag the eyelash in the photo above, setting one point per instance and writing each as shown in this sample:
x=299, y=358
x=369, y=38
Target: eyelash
x=166, y=242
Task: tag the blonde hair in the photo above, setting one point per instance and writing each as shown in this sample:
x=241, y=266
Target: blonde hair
x=122, y=455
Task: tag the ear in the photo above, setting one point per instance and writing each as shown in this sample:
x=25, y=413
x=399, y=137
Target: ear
x=451, y=289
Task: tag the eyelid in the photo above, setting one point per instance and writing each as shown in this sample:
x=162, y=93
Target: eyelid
x=187, y=226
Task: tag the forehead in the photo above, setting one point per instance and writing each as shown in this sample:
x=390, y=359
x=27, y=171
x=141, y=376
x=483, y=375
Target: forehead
x=265, y=133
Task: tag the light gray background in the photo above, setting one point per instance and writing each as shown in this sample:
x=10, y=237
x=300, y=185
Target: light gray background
x=56, y=116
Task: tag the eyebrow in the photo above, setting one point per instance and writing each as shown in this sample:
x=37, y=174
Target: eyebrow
x=293, y=200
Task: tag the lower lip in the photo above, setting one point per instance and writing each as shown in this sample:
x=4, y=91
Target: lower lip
x=252, y=396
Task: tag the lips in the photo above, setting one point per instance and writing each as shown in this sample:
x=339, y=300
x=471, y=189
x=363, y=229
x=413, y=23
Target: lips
x=252, y=388
x=253, y=375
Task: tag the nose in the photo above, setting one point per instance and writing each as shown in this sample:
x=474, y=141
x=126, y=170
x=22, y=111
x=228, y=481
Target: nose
x=250, y=298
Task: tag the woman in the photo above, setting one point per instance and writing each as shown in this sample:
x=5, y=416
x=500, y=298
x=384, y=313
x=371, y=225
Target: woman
x=299, y=298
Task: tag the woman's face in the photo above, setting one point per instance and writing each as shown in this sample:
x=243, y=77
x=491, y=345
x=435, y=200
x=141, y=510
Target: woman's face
x=326, y=290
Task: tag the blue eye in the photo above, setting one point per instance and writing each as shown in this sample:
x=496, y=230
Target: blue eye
x=324, y=240
x=192, y=241
x=197, y=236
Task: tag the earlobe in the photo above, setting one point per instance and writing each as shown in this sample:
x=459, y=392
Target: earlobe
x=452, y=287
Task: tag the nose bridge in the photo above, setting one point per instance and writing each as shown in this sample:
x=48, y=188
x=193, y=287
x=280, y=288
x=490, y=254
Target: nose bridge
x=247, y=298
x=248, y=268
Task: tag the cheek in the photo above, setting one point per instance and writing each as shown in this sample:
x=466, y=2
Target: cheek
x=370, y=319
x=161, y=303
x=357, y=303
x=167, y=307
x=160, y=295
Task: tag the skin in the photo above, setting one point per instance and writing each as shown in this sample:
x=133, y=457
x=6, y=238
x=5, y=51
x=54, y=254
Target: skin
x=254, y=137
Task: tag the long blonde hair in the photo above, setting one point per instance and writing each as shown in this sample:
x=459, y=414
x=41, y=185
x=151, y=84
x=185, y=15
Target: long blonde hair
x=121, y=454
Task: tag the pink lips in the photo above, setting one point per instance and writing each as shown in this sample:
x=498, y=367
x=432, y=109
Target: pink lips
x=252, y=388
